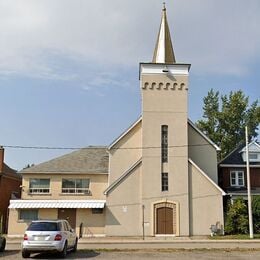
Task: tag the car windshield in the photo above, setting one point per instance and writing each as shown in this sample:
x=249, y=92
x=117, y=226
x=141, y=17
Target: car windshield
x=44, y=226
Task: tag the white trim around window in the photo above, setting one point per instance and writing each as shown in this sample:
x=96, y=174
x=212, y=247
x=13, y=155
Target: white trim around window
x=39, y=186
x=75, y=186
x=237, y=178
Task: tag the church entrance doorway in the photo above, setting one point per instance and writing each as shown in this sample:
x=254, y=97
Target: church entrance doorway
x=165, y=218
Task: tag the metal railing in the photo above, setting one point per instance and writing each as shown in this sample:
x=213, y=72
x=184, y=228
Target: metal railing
x=76, y=191
x=39, y=190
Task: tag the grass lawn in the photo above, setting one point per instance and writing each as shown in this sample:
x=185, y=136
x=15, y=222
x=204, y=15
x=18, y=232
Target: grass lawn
x=244, y=236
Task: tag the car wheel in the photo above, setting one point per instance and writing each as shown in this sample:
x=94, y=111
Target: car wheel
x=63, y=253
x=75, y=245
x=2, y=244
x=25, y=254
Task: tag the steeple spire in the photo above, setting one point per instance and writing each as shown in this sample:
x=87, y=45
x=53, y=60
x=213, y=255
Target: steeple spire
x=163, y=52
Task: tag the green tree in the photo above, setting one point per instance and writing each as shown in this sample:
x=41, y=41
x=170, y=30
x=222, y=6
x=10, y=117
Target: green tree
x=256, y=213
x=236, y=221
x=225, y=118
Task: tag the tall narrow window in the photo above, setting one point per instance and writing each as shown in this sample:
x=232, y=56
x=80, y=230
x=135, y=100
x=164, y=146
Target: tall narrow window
x=164, y=144
x=164, y=181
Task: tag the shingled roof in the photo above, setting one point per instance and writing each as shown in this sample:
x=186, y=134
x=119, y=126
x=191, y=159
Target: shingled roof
x=235, y=157
x=90, y=160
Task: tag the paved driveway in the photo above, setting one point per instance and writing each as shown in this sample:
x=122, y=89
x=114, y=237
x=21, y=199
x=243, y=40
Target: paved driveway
x=146, y=254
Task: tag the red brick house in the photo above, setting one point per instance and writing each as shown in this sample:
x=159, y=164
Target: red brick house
x=232, y=174
x=10, y=183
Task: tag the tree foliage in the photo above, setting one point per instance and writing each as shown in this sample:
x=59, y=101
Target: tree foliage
x=256, y=213
x=237, y=218
x=225, y=118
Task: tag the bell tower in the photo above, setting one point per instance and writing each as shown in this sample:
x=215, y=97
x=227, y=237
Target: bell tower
x=164, y=91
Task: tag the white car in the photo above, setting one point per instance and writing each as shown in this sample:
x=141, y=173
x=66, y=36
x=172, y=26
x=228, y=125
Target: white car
x=49, y=236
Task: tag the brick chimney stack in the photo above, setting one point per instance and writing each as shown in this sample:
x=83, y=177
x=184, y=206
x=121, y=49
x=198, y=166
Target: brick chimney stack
x=2, y=158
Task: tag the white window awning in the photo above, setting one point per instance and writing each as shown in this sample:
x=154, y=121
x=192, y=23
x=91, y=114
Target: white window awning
x=50, y=204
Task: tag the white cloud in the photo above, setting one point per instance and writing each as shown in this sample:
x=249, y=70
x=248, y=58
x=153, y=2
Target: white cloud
x=215, y=36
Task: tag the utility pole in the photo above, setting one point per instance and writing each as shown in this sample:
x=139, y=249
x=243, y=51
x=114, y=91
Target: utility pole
x=249, y=189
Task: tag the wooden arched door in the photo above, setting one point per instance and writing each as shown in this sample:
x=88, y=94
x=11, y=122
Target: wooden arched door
x=165, y=218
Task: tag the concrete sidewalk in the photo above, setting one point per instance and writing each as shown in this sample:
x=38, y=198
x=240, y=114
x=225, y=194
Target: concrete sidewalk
x=154, y=243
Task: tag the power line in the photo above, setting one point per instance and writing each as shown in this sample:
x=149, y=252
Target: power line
x=98, y=147
x=43, y=147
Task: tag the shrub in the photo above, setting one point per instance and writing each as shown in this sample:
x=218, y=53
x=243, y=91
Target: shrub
x=237, y=217
x=256, y=213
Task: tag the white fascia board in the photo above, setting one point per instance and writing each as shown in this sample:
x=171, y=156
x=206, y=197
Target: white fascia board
x=238, y=165
x=126, y=173
x=242, y=194
x=207, y=177
x=203, y=135
x=254, y=144
x=161, y=68
x=125, y=133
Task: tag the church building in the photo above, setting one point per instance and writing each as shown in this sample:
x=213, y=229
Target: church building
x=158, y=178
x=163, y=169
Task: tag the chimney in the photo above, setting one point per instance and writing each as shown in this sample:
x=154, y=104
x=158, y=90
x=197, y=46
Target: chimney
x=1, y=158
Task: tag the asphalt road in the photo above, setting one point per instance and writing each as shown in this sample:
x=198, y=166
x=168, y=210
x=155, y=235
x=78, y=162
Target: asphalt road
x=147, y=254
x=177, y=244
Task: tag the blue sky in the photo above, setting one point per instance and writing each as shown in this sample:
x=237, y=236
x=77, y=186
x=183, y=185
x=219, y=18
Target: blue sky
x=69, y=68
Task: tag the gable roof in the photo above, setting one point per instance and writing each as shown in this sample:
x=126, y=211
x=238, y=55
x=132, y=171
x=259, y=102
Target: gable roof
x=123, y=176
x=140, y=120
x=203, y=135
x=129, y=129
x=92, y=159
x=252, y=147
x=207, y=177
x=9, y=172
x=235, y=157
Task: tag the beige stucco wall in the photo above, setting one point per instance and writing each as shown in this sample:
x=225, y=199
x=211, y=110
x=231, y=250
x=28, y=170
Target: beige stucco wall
x=98, y=183
x=125, y=153
x=93, y=224
x=17, y=227
x=191, y=191
x=48, y=213
x=165, y=106
x=206, y=207
x=203, y=153
x=123, y=211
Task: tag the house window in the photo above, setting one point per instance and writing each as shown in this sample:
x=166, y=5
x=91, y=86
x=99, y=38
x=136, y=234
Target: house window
x=76, y=186
x=28, y=214
x=97, y=211
x=39, y=186
x=237, y=178
x=164, y=143
x=253, y=156
x=164, y=181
